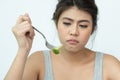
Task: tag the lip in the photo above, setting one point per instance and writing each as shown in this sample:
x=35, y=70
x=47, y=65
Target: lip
x=72, y=41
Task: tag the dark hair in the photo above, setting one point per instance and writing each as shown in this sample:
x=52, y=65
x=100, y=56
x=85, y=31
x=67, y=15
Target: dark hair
x=85, y=5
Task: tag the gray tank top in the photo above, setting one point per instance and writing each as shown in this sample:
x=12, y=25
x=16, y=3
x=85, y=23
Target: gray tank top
x=97, y=70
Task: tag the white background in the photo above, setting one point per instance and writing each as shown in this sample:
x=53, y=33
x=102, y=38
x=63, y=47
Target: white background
x=107, y=38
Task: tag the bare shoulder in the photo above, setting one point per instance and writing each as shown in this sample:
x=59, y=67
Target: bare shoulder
x=34, y=66
x=37, y=58
x=109, y=59
x=111, y=66
x=36, y=55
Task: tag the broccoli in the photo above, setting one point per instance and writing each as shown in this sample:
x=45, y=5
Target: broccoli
x=56, y=50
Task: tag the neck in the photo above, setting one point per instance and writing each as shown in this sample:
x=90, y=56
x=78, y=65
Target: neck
x=81, y=56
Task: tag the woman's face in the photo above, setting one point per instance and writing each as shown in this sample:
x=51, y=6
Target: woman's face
x=74, y=28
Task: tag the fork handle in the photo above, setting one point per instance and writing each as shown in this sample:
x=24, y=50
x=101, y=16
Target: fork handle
x=39, y=32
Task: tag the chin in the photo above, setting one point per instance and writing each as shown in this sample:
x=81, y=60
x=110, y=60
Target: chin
x=74, y=49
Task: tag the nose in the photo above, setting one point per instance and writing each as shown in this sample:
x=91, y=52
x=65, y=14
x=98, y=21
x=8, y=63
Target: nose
x=74, y=31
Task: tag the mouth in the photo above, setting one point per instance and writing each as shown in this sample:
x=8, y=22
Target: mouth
x=72, y=41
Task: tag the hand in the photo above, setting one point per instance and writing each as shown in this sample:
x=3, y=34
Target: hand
x=24, y=32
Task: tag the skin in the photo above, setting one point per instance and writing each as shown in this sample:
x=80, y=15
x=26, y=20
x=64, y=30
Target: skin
x=78, y=61
x=77, y=27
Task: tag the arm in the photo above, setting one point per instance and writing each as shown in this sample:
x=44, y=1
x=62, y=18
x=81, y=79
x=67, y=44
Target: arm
x=34, y=67
x=17, y=68
x=24, y=35
x=113, y=68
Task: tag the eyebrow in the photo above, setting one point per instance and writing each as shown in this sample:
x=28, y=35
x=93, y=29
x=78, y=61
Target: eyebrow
x=78, y=21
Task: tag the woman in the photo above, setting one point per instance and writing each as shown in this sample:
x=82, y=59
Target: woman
x=76, y=21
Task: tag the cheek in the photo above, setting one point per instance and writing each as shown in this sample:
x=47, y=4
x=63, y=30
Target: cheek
x=61, y=32
x=84, y=39
x=85, y=36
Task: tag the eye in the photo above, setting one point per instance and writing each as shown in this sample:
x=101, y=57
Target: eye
x=83, y=26
x=67, y=23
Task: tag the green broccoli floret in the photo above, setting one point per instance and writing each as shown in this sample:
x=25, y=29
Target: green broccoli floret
x=56, y=50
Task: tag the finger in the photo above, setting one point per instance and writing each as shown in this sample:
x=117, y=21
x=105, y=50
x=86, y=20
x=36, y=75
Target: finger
x=23, y=18
x=20, y=19
x=32, y=33
x=27, y=27
x=29, y=31
x=24, y=26
x=28, y=17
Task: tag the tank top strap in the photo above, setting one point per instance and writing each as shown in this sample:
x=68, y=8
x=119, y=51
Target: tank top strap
x=49, y=72
x=48, y=66
x=98, y=66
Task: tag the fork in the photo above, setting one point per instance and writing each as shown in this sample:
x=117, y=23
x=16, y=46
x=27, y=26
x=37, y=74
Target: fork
x=48, y=45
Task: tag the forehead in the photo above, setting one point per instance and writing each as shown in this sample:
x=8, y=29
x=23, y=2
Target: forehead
x=76, y=14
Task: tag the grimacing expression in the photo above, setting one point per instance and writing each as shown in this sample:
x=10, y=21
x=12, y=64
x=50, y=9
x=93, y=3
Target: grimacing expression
x=74, y=28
